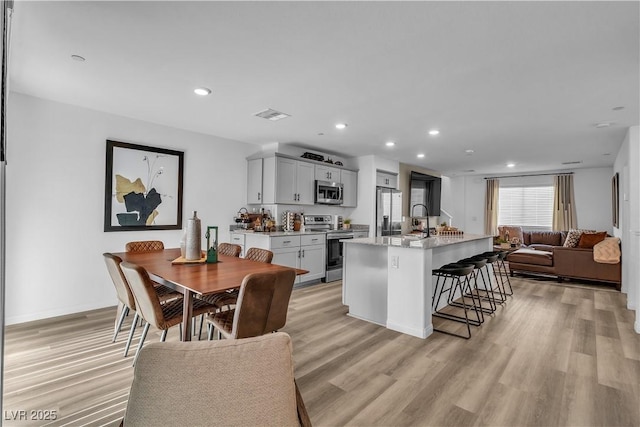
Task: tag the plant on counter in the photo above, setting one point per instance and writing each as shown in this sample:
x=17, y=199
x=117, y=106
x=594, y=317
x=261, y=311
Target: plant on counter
x=346, y=223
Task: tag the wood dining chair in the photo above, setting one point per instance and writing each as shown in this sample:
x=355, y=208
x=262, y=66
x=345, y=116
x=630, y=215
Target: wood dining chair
x=229, y=249
x=261, y=308
x=126, y=301
x=161, y=316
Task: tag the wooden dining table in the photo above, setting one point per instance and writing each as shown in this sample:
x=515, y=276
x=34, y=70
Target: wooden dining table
x=197, y=278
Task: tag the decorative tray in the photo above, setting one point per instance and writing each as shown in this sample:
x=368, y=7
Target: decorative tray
x=181, y=260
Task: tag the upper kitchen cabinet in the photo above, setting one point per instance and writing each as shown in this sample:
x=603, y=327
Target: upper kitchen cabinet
x=281, y=179
x=386, y=179
x=327, y=173
x=349, y=180
x=288, y=181
x=254, y=181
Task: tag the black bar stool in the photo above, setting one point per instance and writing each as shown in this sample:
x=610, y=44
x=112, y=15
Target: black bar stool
x=502, y=268
x=455, y=274
x=492, y=258
x=479, y=263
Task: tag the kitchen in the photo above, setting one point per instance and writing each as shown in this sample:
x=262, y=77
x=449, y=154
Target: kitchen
x=299, y=206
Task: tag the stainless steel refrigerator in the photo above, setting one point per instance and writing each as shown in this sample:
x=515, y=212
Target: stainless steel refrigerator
x=388, y=212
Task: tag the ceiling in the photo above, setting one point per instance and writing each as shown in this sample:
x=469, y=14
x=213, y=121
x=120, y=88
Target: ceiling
x=521, y=82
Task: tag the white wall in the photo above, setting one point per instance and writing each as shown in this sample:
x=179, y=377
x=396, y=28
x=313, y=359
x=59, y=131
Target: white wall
x=627, y=164
x=592, y=191
x=55, y=201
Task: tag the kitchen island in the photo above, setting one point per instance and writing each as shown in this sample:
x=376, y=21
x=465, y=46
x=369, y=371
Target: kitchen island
x=387, y=280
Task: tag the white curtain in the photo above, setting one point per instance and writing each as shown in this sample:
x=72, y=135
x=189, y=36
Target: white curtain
x=564, y=205
x=491, y=207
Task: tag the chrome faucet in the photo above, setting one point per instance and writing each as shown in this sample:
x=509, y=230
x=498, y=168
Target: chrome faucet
x=426, y=209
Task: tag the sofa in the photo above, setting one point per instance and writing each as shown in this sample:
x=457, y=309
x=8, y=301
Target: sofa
x=543, y=252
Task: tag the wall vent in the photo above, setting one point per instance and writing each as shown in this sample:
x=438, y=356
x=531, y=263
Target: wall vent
x=272, y=115
x=577, y=162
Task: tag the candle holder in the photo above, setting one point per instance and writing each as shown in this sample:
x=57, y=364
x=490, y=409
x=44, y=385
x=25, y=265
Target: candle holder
x=212, y=244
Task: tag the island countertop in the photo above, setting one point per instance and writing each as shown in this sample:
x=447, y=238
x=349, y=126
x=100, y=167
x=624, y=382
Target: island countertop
x=426, y=243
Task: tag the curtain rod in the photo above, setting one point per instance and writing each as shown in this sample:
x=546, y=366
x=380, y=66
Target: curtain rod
x=534, y=174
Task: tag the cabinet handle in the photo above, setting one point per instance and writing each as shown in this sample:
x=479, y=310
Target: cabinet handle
x=258, y=195
x=298, y=254
x=303, y=253
x=314, y=240
x=286, y=241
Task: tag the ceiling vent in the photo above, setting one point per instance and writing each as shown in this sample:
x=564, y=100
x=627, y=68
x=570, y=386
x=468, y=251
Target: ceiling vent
x=469, y=170
x=572, y=163
x=272, y=115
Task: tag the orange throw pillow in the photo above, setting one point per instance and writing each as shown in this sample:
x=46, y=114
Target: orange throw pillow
x=589, y=240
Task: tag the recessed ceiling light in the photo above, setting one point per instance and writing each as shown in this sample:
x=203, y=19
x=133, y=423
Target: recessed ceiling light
x=202, y=91
x=434, y=132
x=341, y=125
x=469, y=151
x=420, y=156
x=510, y=165
x=618, y=108
x=77, y=58
x=389, y=143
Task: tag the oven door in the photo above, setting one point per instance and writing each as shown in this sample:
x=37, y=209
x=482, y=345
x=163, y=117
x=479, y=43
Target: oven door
x=335, y=250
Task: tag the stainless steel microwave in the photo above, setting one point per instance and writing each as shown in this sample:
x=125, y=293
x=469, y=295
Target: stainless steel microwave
x=328, y=193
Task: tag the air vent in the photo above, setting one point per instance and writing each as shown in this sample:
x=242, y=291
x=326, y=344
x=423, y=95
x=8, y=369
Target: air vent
x=272, y=115
x=469, y=170
x=572, y=163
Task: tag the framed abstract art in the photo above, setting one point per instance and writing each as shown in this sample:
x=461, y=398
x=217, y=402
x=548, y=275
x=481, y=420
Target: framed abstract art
x=143, y=188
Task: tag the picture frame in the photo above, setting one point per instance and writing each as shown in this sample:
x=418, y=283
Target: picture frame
x=615, y=199
x=143, y=188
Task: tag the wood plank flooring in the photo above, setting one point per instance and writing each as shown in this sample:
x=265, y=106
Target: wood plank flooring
x=553, y=355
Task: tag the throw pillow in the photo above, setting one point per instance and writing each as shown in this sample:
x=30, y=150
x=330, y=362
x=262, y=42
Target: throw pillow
x=573, y=237
x=589, y=240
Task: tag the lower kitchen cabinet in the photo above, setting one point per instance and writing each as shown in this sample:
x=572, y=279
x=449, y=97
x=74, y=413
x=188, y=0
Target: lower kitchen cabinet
x=238, y=239
x=306, y=252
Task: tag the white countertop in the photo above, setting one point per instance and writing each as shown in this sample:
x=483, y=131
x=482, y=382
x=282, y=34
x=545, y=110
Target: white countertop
x=428, y=243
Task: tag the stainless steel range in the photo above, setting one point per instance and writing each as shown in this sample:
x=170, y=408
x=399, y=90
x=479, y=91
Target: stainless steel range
x=334, y=247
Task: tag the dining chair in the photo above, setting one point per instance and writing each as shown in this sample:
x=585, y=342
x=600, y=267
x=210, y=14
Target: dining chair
x=229, y=249
x=161, y=316
x=126, y=301
x=246, y=382
x=229, y=298
x=145, y=246
x=261, y=308
x=260, y=255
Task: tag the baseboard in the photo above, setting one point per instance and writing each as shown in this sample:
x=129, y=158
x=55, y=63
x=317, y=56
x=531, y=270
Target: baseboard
x=420, y=333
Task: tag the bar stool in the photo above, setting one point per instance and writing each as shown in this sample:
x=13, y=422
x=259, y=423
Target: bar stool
x=492, y=258
x=502, y=268
x=455, y=274
x=479, y=263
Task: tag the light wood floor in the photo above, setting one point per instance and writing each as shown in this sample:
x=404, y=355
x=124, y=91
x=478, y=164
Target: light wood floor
x=552, y=356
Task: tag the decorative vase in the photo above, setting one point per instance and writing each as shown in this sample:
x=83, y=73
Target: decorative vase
x=193, y=248
x=212, y=244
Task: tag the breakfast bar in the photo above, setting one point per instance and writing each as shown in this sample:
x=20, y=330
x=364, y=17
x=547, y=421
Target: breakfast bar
x=387, y=280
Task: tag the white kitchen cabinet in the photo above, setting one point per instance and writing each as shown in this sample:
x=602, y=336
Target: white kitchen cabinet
x=305, y=251
x=238, y=239
x=386, y=179
x=294, y=182
x=327, y=173
x=254, y=181
x=349, y=180
x=312, y=257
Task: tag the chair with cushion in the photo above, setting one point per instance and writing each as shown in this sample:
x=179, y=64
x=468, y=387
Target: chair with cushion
x=260, y=255
x=145, y=246
x=126, y=300
x=161, y=316
x=246, y=382
x=261, y=308
x=229, y=249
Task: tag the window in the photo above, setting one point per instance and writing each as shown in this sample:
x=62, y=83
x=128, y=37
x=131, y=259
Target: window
x=530, y=207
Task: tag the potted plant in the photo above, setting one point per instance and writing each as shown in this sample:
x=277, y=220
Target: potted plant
x=346, y=224
x=504, y=243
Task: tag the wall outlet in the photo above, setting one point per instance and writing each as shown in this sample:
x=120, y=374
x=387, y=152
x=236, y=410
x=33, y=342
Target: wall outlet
x=395, y=262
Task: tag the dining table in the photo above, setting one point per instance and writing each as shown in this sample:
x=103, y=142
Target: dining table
x=197, y=278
